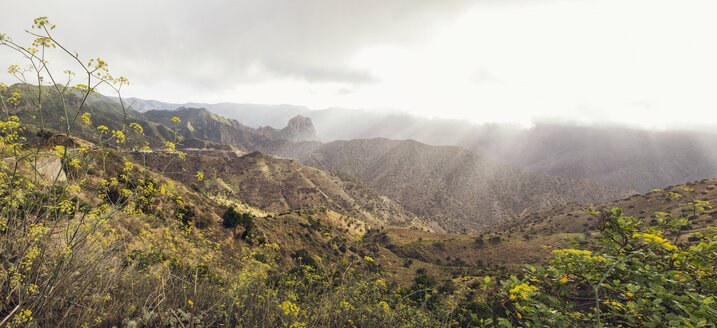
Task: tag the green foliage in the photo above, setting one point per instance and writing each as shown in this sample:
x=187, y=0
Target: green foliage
x=422, y=290
x=232, y=219
x=185, y=214
x=634, y=276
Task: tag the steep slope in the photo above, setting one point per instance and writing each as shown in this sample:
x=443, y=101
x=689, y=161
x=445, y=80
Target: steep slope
x=449, y=182
x=199, y=123
x=278, y=185
x=52, y=117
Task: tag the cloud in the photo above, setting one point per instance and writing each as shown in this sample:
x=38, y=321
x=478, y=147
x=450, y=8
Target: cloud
x=320, y=73
x=216, y=44
x=482, y=75
x=487, y=60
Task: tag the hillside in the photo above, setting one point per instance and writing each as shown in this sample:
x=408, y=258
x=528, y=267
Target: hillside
x=129, y=233
x=572, y=218
x=530, y=238
x=197, y=124
x=52, y=117
x=448, y=182
x=280, y=185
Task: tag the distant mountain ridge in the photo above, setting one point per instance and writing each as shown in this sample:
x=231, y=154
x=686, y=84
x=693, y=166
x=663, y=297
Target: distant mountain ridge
x=252, y=115
x=200, y=123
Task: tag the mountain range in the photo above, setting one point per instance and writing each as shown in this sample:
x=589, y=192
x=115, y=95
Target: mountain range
x=615, y=156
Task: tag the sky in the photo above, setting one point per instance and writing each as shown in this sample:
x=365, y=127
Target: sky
x=646, y=63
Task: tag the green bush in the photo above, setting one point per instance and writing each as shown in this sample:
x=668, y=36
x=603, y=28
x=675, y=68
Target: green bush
x=632, y=276
x=232, y=219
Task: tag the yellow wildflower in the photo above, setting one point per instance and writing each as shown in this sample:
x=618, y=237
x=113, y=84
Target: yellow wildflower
x=655, y=239
x=137, y=128
x=289, y=308
x=119, y=136
x=86, y=119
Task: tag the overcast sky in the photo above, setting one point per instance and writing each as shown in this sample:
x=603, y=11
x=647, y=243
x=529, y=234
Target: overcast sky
x=640, y=62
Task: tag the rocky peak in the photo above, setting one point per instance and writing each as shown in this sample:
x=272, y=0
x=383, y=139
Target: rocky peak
x=299, y=128
x=301, y=124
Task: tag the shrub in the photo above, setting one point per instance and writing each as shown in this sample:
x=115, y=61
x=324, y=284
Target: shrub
x=232, y=219
x=632, y=276
x=185, y=214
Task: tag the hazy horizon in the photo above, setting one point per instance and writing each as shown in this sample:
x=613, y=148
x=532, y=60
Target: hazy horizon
x=635, y=63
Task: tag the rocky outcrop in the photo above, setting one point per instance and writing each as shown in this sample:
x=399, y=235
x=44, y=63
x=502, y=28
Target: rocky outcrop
x=51, y=168
x=299, y=128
